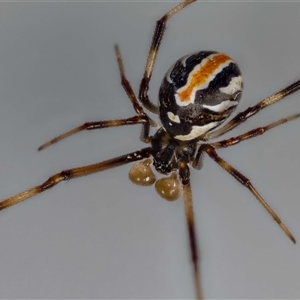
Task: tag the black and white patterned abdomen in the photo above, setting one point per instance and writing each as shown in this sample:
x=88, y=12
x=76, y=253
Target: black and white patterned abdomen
x=198, y=93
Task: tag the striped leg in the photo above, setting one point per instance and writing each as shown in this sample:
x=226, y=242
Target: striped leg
x=74, y=173
x=126, y=84
x=251, y=111
x=141, y=117
x=184, y=174
x=252, y=133
x=247, y=183
x=98, y=125
x=139, y=110
x=156, y=41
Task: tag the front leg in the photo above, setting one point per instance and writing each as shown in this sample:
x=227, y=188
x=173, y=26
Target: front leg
x=156, y=41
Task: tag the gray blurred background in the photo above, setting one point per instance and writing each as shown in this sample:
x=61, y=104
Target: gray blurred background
x=101, y=236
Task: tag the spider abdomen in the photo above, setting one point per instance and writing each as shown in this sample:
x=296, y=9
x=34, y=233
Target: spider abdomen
x=198, y=93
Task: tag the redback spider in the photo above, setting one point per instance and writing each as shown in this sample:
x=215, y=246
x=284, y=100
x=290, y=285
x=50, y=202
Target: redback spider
x=221, y=106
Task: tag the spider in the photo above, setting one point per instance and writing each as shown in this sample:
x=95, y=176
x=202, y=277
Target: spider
x=191, y=106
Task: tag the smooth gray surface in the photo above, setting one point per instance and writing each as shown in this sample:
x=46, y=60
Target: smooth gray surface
x=100, y=236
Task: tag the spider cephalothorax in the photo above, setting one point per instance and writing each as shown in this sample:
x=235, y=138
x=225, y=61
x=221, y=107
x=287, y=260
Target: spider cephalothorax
x=168, y=151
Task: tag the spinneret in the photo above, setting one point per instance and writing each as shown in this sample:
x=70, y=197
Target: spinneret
x=198, y=93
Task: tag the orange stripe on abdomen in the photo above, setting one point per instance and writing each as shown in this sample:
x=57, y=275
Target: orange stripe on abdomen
x=202, y=76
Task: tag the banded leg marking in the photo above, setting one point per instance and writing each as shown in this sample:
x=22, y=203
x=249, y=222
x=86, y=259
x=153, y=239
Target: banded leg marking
x=251, y=111
x=184, y=175
x=252, y=133
x=155, y=44
x=247, y=183
x=74, y=173
x=126, y=84
x=96, y=125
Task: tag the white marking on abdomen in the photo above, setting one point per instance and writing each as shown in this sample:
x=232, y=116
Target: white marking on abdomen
x=184, y=58
x=183, y=61
x=224, y=105
x=173, y=117
x=197, y=131
x=206, y=81
x=234, y=85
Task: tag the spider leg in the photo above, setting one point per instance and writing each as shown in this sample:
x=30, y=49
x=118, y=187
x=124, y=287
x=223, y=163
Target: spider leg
x=156, y=41
x=252, y=133
x=210, y=150
x=252, y=110
x=197, y=162
x=130, y=93
x=141, y=117
x=126, y=84
x=74, y=173
x=184, y=174
x=97, y=125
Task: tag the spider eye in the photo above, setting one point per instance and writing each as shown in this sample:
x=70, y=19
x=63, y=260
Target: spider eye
x=169, y=188
x=142, y=174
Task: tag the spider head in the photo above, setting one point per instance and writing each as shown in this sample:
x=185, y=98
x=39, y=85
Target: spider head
x=167, y=154
x=168, y=151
